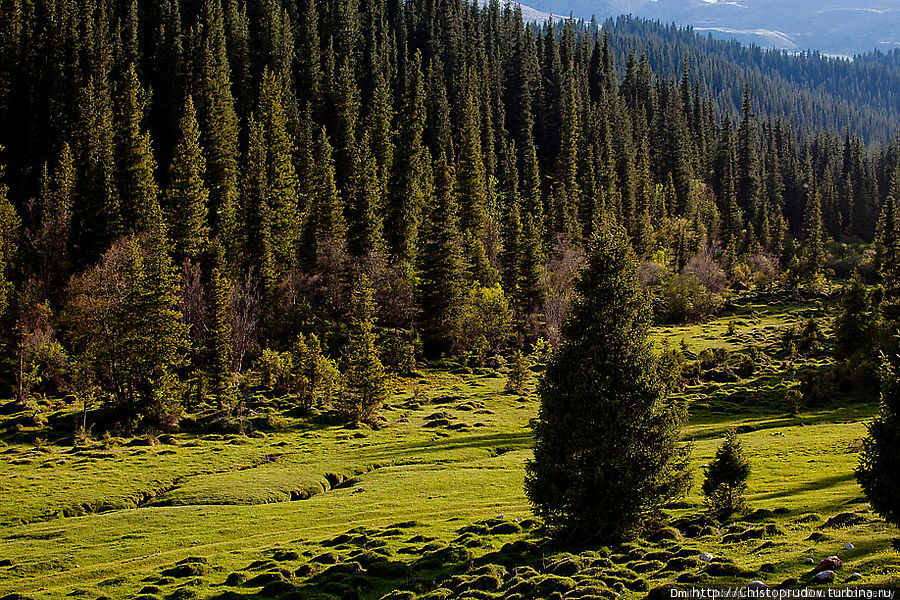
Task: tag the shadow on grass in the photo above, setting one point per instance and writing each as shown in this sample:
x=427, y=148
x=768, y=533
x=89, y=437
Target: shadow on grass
x=497, y=442
x=811, y=486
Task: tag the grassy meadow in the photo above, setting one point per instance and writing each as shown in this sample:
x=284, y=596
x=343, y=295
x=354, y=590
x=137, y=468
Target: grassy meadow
x=430, y=505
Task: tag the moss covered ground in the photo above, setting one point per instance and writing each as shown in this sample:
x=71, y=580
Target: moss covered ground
x=431, y=504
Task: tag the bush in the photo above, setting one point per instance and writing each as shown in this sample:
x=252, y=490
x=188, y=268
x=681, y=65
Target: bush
x=486, y=321
x=518, y=372
x=726, y=478
x=764, y=271
x=707, y=271
x=315, y=376
x=685, y=299
x=274, y=369
x=399, y=351
x=793, y=399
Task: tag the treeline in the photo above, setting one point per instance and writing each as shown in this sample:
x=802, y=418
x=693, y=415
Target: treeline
x=811, y=91
x=310, y=192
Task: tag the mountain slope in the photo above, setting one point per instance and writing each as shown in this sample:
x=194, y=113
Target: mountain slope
x=830, y=26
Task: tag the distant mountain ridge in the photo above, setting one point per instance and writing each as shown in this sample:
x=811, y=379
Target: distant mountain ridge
x=829, y=26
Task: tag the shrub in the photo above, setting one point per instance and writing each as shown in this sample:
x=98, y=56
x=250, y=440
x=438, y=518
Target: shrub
x=518, y=372
x=486, y=321
x=398, y=352
x=685, y=299
x=274, y=369
x=707, y=271
x=793, y=399
x=764, y=271
x=314, y=376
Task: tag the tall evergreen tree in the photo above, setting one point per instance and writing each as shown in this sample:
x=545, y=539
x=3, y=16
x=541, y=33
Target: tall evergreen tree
x=136, y=166
x=878, y=471
x=9, y=233
x=97, y=214
x=607, y=450
x=282, y=211
x=813, y=232
x=219, y=127
x=441, y=264
x=364, y=382
x=326, y=229
x=186, y=199
x=411, y=173
x=53, y=238
x=219, y=340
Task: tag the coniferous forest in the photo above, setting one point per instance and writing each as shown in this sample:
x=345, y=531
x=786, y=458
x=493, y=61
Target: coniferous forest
x=323, y=225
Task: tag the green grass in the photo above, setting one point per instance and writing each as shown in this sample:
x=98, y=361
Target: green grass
x=417, y=504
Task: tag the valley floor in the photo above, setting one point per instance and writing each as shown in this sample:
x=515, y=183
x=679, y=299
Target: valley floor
x=431, y=505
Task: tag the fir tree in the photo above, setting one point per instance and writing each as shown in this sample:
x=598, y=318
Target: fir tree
x=747, y=184
x=283, y=221
x=411, y=174
x=887, y=244
x=878, y=472
x=9, y=232
x=219, y=127
x=441, y=264
x=857, y=324
x=326, y=229
x=365, y=227
x=219, y=330
x=726, y=478
x=53, y=239
x=566, y=191
x=186, y=198
x=813, y=233
x=607, y=451
x=136, y=166
x=365, y=384
x=96, y=215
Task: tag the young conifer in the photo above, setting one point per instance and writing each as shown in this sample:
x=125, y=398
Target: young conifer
x=365, y=385
x=726, y=478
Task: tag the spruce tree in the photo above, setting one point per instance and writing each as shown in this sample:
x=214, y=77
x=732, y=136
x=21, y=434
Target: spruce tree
x=566, y=191
x=136, y=166
x=186, y=199
x=219, y=344
x=53, y=239
x=813, y=233
x=607, y=451
x=282, y=202
x=857, y=323
x=887, y=244
x=441, y=264
x=365, y=384
x=326, y=229
x=9, y=233
x=219, y=127
x=878, y=472
x=365, y=226
x=96, y=215
x=747, y=184
x=726, y=478
x=410, y=185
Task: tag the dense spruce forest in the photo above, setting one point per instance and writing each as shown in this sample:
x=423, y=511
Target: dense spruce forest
x=811, y=91
x=202, y=195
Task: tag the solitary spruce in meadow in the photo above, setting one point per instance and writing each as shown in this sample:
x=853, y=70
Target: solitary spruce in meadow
x=607, y=451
